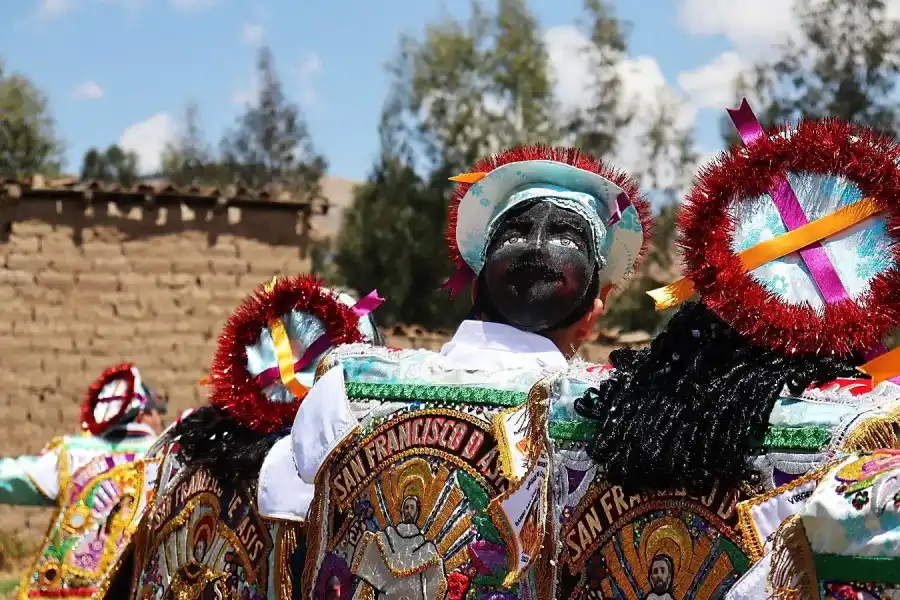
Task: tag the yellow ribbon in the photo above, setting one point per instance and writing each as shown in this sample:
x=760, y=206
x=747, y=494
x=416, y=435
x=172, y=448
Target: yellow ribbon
x=769, y=250
x=884, y=367
x=285, y=355
x=284, y=352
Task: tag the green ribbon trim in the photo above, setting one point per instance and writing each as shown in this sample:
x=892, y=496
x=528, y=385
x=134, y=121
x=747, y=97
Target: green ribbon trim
x=451, y=394
x=787, y=438
x=850, y=569
x=797, y=438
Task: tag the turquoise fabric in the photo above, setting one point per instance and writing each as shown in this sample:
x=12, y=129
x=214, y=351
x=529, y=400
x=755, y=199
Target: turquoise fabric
x=16, y=487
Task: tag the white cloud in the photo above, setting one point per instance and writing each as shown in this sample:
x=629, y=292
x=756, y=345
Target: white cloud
x=192, y=5
x=52, y=9
x=89, y=90
x=309, y=70
x=753, y=28
x=645, y=91
x=252, y=33
x=148, y=139
x=712, y=85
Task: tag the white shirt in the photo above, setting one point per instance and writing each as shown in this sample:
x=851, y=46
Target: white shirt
x=324, y=419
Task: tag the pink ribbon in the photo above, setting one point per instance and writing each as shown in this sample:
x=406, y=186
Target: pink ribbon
x=623, y=201
x=460, y=279
x=362, y=308
x=814, y=255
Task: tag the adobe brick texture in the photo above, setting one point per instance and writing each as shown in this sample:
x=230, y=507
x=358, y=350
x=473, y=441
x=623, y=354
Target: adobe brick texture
x=81, y=292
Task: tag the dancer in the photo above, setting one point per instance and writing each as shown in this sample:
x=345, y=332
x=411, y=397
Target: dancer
x=99, y=484
x=427, y=484
x=204, y=535
x=120, y=414
x=705, y=442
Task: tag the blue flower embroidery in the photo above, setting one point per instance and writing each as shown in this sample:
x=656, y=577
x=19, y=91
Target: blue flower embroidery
x=484, y=202
x=778, y=284
x=630, y=220
x=476, y=190
x=856, y=529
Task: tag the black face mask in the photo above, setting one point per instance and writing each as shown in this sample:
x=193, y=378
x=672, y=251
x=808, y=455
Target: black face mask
x=539, y=267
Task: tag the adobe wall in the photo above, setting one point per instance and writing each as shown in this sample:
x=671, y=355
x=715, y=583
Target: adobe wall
x=81, y=290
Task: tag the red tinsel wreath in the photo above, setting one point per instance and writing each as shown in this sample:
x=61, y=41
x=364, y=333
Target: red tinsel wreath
x=232, y=388
x=569, y=156
x=826, y=147
x=88, y=420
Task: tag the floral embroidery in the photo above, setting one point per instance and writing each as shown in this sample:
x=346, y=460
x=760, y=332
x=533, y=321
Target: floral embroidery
x=860, y=499
x=476, y=190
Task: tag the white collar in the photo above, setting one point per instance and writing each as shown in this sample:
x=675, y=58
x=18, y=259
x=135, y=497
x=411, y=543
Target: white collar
x=480, y=337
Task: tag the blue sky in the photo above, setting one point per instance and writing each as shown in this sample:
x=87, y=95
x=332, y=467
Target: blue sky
x=111, y=65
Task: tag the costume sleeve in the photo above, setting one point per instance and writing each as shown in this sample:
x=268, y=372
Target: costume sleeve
x=29, y=480
x=323, y=421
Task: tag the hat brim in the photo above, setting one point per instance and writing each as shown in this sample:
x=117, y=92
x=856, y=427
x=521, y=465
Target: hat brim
x=625, y=240
x=282, y=494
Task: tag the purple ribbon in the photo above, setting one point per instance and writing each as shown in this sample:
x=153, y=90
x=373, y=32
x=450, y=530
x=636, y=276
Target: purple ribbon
x=623, y=201
x=814, y=255
x=362, y=308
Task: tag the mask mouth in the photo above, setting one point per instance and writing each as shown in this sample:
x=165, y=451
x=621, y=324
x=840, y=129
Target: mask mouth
x=533, y=271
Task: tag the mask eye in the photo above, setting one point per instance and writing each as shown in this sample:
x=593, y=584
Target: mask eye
x=563, y=242
x=513, y=240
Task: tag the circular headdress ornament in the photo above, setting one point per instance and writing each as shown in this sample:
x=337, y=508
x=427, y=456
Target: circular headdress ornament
x=608, y=199
x=118, y=392
x=792, y=237
x=267, y=354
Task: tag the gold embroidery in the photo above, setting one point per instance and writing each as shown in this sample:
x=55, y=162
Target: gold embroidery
x=874, y=433
x=753, y=542
x=288, y=534
x=793, y=571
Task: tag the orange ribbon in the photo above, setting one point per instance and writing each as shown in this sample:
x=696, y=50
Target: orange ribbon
x=884, y=367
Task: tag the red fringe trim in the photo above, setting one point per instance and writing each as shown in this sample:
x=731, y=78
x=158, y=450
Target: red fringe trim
x=569, y=156
x=121, y=371
x=232, y=388
x=706, y=231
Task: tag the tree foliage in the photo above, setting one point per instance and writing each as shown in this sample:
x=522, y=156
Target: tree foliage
x=28, y=140
x=189, y=160
x=269, y=142
x=843, y=62
x=111, y=165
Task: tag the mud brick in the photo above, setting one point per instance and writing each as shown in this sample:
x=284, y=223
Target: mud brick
x=110, y=264
x=136, y=282
x=19, y=243
x=177, y=281
x=28, y=262
x=43, y=343
x=16, y=311
x=94, y=312
x=56, y=280
x=218, y=282
x=39, y=296
x=191, y=265
x=32, y=228
x=228, y=266
x=101, y=249
x=98, y=282
x=45, y=313
x=131, y=312
x=69, y=262
x=151, y=264
x=16, y=278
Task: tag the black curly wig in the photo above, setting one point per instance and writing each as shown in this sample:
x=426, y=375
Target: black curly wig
x=686, y=412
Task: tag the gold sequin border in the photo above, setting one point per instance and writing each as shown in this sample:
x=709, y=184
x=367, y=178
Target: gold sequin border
x=752, y=539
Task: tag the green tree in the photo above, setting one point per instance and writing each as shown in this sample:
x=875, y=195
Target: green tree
x=843, y=62
x=595, y=126
x=28, y=140
x=270, y=142
x=189, y=160
x=470, y=88
x=113, y=165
